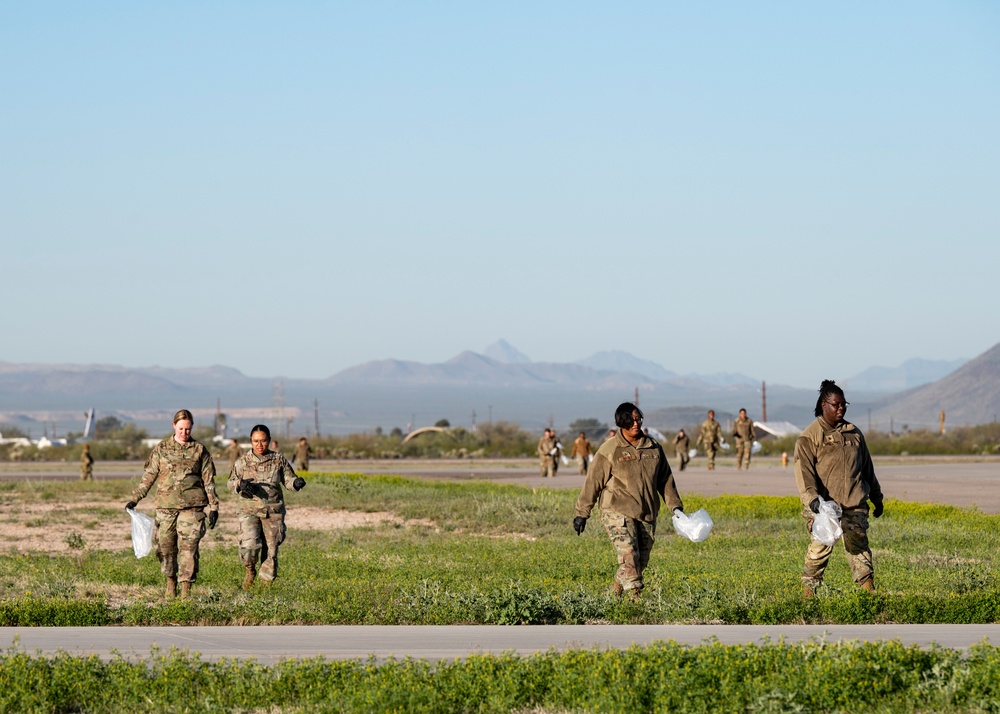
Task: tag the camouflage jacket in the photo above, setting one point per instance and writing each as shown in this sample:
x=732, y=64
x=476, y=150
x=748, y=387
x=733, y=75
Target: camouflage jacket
x=266, y=474
x=184, y=476
x=545, y=447
x=743, y=429
x=233, y=451
x=629, y=480
x=302, y=454
x=682, y=443
x=711, y=434
x=833, y=462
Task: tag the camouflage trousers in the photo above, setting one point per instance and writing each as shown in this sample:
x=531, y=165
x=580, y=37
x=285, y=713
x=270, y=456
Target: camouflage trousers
x=710, y=452
x=633, y=542
x=259, y=538
x=86, y=473
x=177, y=533
x=743, y=450
x=549, y=466
x=854, y=523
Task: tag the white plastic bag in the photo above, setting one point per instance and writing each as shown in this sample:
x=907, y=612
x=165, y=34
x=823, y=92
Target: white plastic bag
x=142, y=533
x=695, y=527
x=826, y=525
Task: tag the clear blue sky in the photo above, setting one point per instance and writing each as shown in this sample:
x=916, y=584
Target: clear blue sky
x=791, y=190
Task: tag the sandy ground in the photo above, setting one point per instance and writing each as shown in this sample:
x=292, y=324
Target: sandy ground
x=28, y=526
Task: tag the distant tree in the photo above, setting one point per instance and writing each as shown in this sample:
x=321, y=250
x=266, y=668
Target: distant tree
x=105, y=427
x=593, y=428
x=443, y=423
x=10, y=431
x=378, y=431
x=396, y=432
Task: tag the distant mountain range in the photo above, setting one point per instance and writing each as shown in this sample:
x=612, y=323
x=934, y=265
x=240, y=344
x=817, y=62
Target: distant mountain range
x=501, y=383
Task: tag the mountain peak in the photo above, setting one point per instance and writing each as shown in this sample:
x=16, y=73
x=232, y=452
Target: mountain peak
x=505, y=353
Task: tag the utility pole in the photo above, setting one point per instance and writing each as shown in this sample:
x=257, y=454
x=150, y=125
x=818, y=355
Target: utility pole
x=473, y=419
x=763, y=402
x=637, y=397
x=316, y=416
x=491, y=415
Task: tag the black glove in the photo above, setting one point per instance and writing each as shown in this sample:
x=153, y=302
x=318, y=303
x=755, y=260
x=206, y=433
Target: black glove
x=579, y=524
x=814, y=505
x=878, y=509
x=679, y=510
x=213, y=518
x=299, y=483
x=130, y=506
x=243, y=488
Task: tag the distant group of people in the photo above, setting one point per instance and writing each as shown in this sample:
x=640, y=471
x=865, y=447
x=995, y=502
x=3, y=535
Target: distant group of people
x=629, y=477
x=183, y=472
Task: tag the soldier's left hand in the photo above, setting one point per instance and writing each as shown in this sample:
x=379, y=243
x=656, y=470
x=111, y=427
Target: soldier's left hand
x=579, y=524
x=213, y=518
x=299, y=483
x=878, y=509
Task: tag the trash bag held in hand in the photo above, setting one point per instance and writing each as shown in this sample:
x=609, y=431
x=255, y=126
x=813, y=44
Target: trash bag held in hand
x=695, y=527
x=826, y=526
x=142, y=533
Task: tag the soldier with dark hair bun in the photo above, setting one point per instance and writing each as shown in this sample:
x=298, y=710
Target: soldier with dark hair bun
x=832, y=462
x=256, y=478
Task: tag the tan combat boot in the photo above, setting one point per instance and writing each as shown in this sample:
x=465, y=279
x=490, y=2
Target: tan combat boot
x=868, y=584
x=185, y=590
x=616, y=588
x=171, y=587
x=808, y=590
x=248, y=579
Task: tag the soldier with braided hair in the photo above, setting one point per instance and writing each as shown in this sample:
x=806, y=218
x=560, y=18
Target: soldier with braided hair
x=832, y=462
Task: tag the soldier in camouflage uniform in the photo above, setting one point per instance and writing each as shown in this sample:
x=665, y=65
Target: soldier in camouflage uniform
x=710, y=438
x=86, y=464
x=233, y=451
x=832, y=462
x=682, y=445
x=185, y=476
x=302, y=454
x=582, y=448
x=548, y=454
x=744, y=435
x=629, y=475
x=257, y=479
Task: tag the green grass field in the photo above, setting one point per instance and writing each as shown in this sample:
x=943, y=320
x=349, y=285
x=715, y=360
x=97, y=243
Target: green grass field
x=495, y=554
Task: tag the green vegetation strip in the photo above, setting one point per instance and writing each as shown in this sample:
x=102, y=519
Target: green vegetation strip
x=812, y=677
x=478, y=553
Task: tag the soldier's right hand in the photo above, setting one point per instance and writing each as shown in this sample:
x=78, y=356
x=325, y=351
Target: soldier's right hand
x=243, y=488
x=814, y=505
x=579, y=524
x=130, y=506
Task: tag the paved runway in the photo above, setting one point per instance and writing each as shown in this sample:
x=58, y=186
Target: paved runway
x=270, y=644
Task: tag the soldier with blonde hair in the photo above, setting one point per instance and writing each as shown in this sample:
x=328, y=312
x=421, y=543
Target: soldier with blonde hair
x=184, y=473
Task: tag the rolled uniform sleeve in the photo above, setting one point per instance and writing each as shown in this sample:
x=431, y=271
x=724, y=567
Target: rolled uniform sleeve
x=287, y=473
x=149, y=473
x=208, y=479
x=666, y=486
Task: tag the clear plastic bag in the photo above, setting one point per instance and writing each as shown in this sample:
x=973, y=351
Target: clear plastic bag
x=695, y=527
x=826, y=525
x=142, y=533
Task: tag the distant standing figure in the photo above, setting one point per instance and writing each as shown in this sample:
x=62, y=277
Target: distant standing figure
x=832, y=461
x=184, y=473
x=628, y=477
x=233, y=451
x=710, y=438
x=257, y=478
x=548, y=454
x=744, y=434
x=302, y=455
x=611, y=434
x=682, y=444
x=86, y=464
x=581, y=448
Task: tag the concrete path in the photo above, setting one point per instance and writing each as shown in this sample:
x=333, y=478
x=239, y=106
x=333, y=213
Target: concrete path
x=270, y=644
